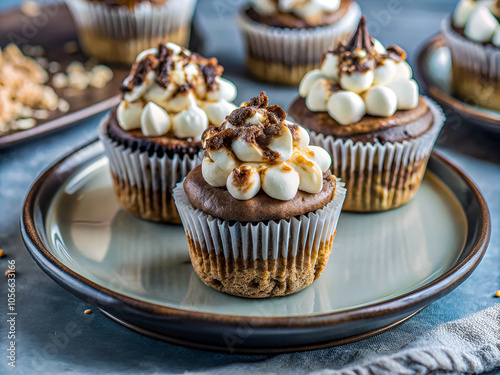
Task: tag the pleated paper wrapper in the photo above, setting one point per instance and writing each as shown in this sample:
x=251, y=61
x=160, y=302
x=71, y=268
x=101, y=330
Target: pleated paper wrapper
x=285, y=55
x=119, y=34
x=378, y=176
x=144, y=183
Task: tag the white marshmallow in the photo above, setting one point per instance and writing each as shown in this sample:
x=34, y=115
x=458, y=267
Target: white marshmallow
x=159, y=95
x=226, y=91
x=481, y=25
x=190, y=123
x=318, y=96
x=138, y=91
x=224, y=158
x=280, y=181
x=246, y=151
x=154, y=121
x=379, y=47
x=308, y=81
x=406, y=92
x=143, y=54
x=463, y=11
x=312, y=8
x=212, y=174
x=249, y=189
x=402, y=70
x=282, y=145
x=346, y=107
x=129, y=115
x=385, y=72
x=330, y=66
x=178, y=103
x=311, y=176
x=496, y=38
x=217, y=111
x=264, y=7
x=175, y=48
x=381, y=101
x=320, y=156
x=302, y=138
x=357, y=82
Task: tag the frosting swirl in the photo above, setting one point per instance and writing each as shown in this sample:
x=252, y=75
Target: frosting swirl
x=479, y=20
x=171, y=91
x=308, y=10
x=257, y=148
x=360, y=77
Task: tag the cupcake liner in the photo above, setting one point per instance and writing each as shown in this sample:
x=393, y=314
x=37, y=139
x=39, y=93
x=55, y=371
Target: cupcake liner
x=144, y=183
x=286, y=54
x=119, y=34
x=478, y=58
x=379, y=176
x=260, y=259
x=477, y=66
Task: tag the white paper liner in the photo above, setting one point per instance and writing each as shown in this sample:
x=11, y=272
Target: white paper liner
x=296, y=46
x=482, y=59
x=375, y=160
x=260, y=240
x=135, y=29
x=147, y=173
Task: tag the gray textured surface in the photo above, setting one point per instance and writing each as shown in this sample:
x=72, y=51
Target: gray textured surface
x=53, y=334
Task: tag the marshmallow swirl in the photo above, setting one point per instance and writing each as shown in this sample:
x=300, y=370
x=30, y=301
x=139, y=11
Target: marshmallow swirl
x=256, y=148
x=360, y=78
x=173, y=92
x=479, y=20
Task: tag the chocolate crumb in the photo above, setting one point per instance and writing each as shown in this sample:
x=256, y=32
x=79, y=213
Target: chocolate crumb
x=259, y=101
x=396, y=53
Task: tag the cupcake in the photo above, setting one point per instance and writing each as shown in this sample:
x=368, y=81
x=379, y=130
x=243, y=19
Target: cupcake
x=364, y=108
x=473, y=35
x=260, y=212
x=117, y=30
x=152, y=138
x=286, y=39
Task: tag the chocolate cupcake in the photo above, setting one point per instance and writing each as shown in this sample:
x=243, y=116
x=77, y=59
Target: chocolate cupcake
x=152, y=138
x=364, y=108
x=286, y=39
x=117, y=30
x=473, y=35
x=260, y=212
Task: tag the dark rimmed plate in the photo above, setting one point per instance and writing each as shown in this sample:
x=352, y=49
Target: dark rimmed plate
x=434, y=69
x=384, y=268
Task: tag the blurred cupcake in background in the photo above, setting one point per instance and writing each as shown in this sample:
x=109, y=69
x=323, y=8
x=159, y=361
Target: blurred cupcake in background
x=286, y=38
x=152, y=138
x=363, y=106
x=117, y=30
x=473, y=35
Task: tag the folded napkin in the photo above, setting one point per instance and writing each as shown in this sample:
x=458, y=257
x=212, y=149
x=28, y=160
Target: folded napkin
x=468, y=345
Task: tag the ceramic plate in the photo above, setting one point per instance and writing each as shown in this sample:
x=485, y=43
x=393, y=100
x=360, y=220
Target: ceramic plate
x=384, y=267
x=434, y=68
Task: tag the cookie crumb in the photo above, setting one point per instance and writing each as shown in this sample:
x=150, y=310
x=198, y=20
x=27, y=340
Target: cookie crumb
x=9, y=271
x=88, y=311
x=2, y=253
x=497, y=294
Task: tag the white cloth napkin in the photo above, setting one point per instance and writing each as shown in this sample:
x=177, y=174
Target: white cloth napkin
x=468, y=345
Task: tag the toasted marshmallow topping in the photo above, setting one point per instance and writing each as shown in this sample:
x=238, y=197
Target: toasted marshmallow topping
x=360, y=78
x=479, y=19
x=171, y=91
x=308, y=10
x=257, y=148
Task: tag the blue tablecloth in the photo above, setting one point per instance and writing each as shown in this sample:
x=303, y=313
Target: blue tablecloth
x=53, y=336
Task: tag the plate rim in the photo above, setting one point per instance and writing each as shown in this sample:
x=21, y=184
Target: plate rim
x=423, y=295
x=433, y=43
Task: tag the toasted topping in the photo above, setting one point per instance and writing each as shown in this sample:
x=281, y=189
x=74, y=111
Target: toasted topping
x=257, y=148
x=187, y=87
x=358, y=78
x=308, y=10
